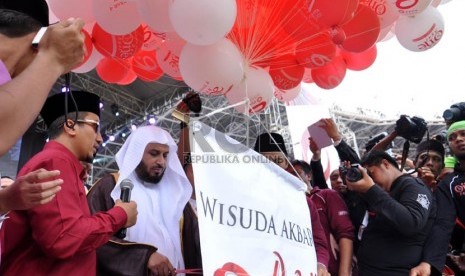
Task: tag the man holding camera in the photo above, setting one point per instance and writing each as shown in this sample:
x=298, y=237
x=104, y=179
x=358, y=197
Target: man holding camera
x=401, y=213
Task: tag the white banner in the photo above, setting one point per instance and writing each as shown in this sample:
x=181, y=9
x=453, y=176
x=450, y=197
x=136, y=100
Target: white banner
x=253, y=216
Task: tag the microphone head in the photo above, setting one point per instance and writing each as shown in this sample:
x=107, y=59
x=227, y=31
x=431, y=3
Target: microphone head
x=126, y=184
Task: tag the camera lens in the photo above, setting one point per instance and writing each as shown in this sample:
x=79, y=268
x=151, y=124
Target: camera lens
x=354, y=174
x=450, y=114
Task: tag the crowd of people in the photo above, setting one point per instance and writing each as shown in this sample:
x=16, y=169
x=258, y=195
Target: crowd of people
x=375, y=218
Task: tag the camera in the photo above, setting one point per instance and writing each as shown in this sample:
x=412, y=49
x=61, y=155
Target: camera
x=352, y=172
x=411, y=128
x=455, y=113
x=375, y=140
x=441, y=137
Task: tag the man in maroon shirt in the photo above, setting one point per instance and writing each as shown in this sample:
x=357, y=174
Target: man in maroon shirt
x=60, y=237
x=272, y=146
x=334, y=218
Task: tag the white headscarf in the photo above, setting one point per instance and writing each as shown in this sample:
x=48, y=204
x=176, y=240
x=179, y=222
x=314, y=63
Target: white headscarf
x=159, y=206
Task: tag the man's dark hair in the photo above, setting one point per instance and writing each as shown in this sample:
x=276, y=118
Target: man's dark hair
x=304, y=165
x=375, y=157
x=56, y=127
x=430, y=145
x=15, y=24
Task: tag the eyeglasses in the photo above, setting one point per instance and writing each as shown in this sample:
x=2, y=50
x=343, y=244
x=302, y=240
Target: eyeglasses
x=95, y=124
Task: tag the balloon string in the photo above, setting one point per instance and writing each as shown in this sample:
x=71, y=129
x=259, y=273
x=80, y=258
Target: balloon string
x=196, y=271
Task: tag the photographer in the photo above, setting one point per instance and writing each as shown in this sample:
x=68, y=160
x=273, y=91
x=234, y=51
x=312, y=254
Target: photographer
x=401, y=214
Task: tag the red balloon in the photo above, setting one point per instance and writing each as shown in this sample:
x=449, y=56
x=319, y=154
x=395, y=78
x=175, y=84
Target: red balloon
x=362, y=31
x=112, y=70
x=296, y=20
x=331, y=12
x=330, y=75
x=130, y=78
x=118, y=46
x=316, y=52
x=286, y=72
x=146, y=67
x=360, y=61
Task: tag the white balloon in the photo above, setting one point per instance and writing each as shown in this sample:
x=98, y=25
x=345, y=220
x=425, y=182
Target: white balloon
x=64, y=9
x=421, y=32
x=168, y=55
x=213, y=69
x=155, y=13
x=386, y=33
x=409, y=7
x=118, y=17
x=203, y=22
x=257, y=87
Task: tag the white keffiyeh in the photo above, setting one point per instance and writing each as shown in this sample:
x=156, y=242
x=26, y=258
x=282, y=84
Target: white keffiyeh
x=159, y=206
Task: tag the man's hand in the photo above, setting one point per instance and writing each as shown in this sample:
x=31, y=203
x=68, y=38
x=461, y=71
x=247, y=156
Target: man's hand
x=423, y=269
x=322, y=270
x=37, y=187
x=331, y=128
x=159, y=265
x=427, y=176
x=131, y=211
x=63, y=44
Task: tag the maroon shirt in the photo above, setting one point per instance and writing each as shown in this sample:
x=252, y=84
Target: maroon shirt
x=334, y=219
x=319, y=238
x=60, y=237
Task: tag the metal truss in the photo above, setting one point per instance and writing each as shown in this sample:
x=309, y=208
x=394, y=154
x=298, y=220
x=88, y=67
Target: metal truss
x=216, y=112
x=358, y=128
x=110, y=94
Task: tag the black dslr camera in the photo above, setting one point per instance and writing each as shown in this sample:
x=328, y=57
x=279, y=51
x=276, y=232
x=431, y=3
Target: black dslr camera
x=455, y=113
x=352, y=172
x=411, y=128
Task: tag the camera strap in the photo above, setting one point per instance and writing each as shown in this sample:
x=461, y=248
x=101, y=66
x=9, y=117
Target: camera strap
x=404, y=154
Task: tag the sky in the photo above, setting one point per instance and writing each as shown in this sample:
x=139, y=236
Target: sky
x=405, y=82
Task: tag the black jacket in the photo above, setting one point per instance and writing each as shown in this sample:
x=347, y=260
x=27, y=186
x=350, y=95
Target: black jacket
x=450, y=199
x=398, y=226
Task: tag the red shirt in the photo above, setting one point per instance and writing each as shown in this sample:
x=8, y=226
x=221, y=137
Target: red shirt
x=60, y=237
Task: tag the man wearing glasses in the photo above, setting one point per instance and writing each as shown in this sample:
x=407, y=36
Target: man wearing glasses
x=61, y=236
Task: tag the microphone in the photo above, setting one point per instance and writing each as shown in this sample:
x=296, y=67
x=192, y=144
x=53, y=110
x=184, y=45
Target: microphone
x=125, y=196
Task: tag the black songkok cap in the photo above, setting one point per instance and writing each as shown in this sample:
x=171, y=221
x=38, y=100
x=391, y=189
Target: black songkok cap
x=270, y=142
x=54, y=106
x=37, y=9
x=431, y=145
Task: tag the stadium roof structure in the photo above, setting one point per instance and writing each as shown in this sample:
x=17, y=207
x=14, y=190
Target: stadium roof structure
x=140, y=101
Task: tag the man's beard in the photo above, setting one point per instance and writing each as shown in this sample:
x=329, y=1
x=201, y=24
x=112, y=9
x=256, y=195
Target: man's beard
x=142, y=172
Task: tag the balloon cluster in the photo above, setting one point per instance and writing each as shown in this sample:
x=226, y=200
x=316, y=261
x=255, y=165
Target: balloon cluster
x=250, y=50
